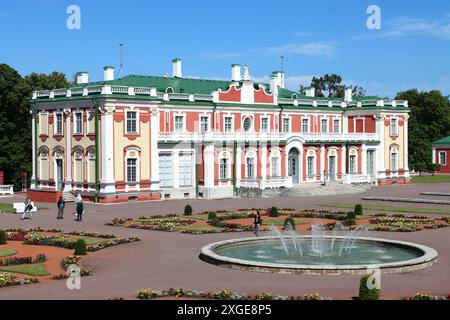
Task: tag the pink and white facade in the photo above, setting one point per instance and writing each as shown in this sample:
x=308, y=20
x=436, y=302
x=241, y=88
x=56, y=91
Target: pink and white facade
x=143, y=137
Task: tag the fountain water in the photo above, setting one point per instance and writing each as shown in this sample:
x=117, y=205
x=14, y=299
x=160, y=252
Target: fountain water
x=274, y=232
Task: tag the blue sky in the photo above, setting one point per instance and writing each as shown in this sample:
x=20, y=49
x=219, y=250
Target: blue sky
x=411, y=50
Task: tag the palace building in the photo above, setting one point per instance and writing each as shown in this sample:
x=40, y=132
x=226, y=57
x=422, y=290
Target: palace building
x=149, y=138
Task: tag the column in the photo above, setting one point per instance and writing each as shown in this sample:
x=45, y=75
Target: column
x=433, y=155
x=176, y=167
x=380, y=161
x=154, y=154
x=208, y=166
x=364, y=159
x=33, y=156
x=406, y=146
x=322, y=161
x=68, y=136
x=238, y=165
x=107, y=183
x=263, y=165
x=343, y=161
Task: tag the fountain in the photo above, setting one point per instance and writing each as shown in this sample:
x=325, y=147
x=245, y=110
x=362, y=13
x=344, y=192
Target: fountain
x=322, y=252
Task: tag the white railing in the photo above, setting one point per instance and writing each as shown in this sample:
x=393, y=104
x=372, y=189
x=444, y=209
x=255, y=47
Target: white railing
x=77, y=91
x=6, y=189
x=269, y=136
x=144, y=91
x=270, y=182
x=119, y=89
x=353, y=178
x=94, y=89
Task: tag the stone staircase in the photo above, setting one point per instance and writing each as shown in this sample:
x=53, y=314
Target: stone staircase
x=68, y=197
x=305, y=190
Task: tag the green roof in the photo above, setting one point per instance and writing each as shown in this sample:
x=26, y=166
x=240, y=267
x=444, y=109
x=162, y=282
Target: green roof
x=445, y=140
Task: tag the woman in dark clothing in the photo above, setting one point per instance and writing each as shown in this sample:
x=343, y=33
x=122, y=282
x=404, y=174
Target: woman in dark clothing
x=257, y=222
x=61, y=204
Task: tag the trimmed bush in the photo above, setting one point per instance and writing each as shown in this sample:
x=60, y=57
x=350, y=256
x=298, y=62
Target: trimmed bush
x=273, y=212
x=212, y=216
x=351, y=215
x=349, y=222
x=3, y=237
x=188, y=210
x=289, y=221
x=80, y=248
x=365, y=293
x=358, y=210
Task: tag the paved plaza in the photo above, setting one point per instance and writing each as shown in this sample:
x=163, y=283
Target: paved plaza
x=163, y=259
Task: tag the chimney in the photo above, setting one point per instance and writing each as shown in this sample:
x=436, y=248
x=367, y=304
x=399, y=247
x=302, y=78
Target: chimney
x=310, y=92
x=274, y=84
x=348, y=94
x=176, y=67
x=236, y=72
x=82, y=77
x=280, y=78
x=108, y=73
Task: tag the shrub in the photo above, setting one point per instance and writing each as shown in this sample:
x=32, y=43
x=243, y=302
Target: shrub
x=349, y=222
x=80, y=248
x=422, y=296
x=358, y=210
x=3, y=238
x=69, y=260
x=273, y=212
x=365, y=293
x=212, y=216
x=351, y=215
x=289, y=221
x=146, y=294
x=188, y=210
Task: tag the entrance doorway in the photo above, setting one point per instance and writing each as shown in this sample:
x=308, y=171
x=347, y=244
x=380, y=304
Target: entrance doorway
x=332, y=168
x=293, y=165
x=59, y=174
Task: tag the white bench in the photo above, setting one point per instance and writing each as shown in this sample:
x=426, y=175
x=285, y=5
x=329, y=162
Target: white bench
x=6, y=189
x=20, y=207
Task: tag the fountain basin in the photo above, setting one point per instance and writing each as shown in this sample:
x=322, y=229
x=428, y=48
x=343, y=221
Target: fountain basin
x=266, y=254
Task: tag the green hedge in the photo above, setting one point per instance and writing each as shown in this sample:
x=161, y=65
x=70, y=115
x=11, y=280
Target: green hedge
x=365, y=293
x=188, y=210
x=273, y=212
x=3, y=237
x=80, y=248
x=358, y=210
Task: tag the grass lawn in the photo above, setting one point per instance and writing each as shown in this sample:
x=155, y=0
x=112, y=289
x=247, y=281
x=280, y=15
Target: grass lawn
x=89, y=240
x=7, y=207
x=389, y=208
x=6, y=252
x=34, y=270
x=199, y=228
x=431, y=179
x=202, y=217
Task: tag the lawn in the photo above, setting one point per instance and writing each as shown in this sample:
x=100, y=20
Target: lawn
x=90, y=241
x=34, y=270
x=7, y=207
x=6, y=252
x=431, y=179
x=389, y=208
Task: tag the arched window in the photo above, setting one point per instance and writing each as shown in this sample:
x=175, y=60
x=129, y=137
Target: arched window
x=250, y=164
x=225, y=165
x=43, y=153
x=247, y=124
x=353, y=160
x=394, y=159
x=275, y=163
x=311, y=163
x=132, y=158
x=170, y=90
x=90, y=164
x=78, y=175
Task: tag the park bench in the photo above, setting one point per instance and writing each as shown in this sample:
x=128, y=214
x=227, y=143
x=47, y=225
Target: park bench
x=20, y=207
x=6, y=190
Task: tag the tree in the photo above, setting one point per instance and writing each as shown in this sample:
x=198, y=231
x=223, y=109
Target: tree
x=15, y=118
x=429, y=121
x=330, y=85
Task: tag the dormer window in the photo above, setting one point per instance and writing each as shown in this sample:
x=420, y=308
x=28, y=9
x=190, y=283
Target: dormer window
x=170, y=90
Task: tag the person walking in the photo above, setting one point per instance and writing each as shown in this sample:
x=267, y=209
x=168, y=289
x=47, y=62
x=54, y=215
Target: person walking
x=61, y=205
x=27, y=209
x=257, y=222
x=79, y=208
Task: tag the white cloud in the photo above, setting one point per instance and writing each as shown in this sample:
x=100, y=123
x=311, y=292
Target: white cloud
x=309, y=48
x=413, y=27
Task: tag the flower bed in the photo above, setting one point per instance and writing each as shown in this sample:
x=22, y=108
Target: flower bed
x=14, y=261
x=147, y=294
x=7, y=279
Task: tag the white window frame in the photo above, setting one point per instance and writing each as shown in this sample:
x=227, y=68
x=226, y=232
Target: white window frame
x=208, y=123
x=445, y=158
x=288, y=124
x=75, y=131
x=55, y=131
x=43, y=115
x=313, y=169
x=183, y=116
x=394, y=169
x=392, y=121
x=232, y=122
x=322, y=127
x=255, y=163
x=338, y=121
x=355, y=169
x=171, y=155
x=192, y=166
x=307, y=125
x=261, y=125
x=88, y=115
x=137, y=121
